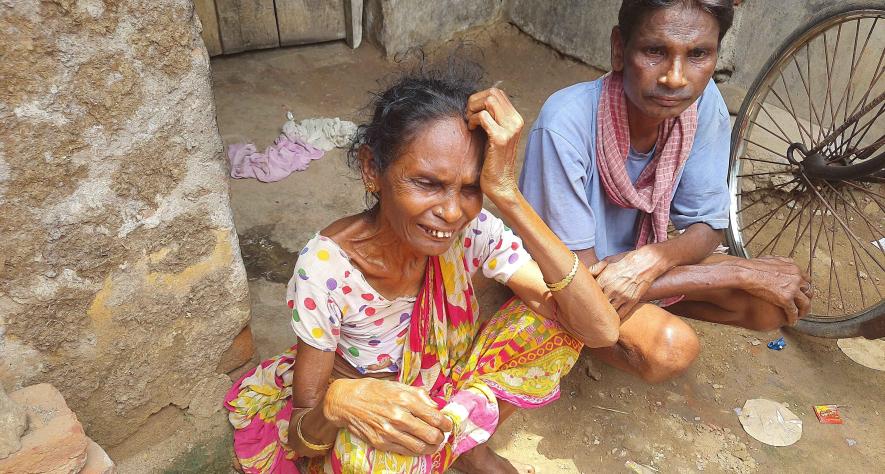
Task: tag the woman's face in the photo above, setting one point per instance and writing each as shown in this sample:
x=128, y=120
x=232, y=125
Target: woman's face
x=431, y=190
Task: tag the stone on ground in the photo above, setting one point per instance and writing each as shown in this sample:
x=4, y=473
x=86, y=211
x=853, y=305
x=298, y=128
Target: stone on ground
x=97, y=461
x=13, y=423
x=55, y=442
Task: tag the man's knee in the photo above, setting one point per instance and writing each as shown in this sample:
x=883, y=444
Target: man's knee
x=677, y=350
x=763, y=316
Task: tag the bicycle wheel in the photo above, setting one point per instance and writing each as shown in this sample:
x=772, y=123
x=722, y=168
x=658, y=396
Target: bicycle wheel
x=806, y=173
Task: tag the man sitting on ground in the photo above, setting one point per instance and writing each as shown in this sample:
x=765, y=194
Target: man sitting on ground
x=610, y=162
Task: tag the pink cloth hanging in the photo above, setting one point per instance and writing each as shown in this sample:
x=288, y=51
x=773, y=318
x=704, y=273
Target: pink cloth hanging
x=278, y=160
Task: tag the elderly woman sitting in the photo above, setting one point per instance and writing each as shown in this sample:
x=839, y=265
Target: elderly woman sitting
x=393, y=371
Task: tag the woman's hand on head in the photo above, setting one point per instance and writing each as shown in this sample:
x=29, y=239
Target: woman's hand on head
x=390, y=416
x=492, y=110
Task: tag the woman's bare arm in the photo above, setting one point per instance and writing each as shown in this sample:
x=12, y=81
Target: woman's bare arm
x=581, y=307
x=310, y=380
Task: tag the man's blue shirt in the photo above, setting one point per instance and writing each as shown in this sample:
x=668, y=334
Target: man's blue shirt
x=560, y=179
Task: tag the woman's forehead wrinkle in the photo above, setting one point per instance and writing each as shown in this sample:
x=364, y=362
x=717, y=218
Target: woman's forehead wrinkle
x=447, y=150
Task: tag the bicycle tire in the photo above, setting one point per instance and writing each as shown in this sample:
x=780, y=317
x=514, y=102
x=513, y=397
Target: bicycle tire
x=852, y=325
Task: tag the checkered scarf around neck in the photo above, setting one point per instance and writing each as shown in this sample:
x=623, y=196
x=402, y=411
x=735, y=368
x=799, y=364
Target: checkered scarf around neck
x=653, y=190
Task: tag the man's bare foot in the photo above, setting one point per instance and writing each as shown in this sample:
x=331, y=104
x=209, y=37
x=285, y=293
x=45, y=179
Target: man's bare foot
x=482, y=460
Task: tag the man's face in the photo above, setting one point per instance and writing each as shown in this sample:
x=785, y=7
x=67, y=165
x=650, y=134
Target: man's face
x=668, y=61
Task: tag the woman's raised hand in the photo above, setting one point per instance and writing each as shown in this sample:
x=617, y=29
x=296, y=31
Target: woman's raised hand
x=492, y=110
x=390, y=416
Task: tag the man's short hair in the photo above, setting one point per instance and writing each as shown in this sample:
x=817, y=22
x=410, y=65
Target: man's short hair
x=632, y=12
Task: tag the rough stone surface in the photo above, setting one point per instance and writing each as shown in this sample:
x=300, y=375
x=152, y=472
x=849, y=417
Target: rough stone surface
x=207, y=395
x=55, y=441
x=762, y=28
x=121, y=280
x=13, y=423
x=398, y=25
x=97, y=461
x=578, y=28
x=240, y=351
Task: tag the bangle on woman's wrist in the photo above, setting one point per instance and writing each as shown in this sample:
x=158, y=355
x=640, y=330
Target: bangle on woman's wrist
x=305, y=442
x=562, y=284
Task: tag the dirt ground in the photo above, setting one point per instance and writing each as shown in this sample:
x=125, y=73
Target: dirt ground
x=604, y=418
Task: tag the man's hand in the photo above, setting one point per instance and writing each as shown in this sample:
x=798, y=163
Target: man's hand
x=780, y=282
x=626, y=277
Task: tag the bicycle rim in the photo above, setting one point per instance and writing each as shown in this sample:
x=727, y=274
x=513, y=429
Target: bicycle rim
x=824, y=90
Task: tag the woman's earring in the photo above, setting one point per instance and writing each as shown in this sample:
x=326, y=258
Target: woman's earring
x=370, y=191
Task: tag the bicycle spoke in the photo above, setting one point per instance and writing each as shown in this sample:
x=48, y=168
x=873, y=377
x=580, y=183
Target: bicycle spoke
x=851, y=71
x=764, y=173
x=775, y=122
x=762, y=199
x=844, y=225
x=828, y=98
x=843, y=98
x=865, y=152
x=857, y=111
x=767, y=161
x=845, y=203
x=860, y=56
x=764, y=147
x=767, y=218
x=838, y=132
x=789, y=220
x=779, y=137
x=845, y=146
x=769, y=188
x=791, y=108
x=807, y=86
x=872, y=195
x=863, y=299
x=857, y=256
x=834, y=111
x=878, y=75
x=812, y=247
x=751, y=205
x=861, y=188
x=808, y=226
x=865, y=129
x=830, y=246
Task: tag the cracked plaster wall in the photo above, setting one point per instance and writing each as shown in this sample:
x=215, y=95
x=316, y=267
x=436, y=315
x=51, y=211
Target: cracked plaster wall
x=121, y=281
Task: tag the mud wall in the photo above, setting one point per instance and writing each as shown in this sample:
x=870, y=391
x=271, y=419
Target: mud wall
x=121, y=281
x=397, y=25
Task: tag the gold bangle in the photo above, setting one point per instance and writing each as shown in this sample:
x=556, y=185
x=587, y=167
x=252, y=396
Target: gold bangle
x=561, y=284
x=308, y=444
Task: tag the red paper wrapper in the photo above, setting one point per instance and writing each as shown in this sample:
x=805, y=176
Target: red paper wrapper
x=828, y=414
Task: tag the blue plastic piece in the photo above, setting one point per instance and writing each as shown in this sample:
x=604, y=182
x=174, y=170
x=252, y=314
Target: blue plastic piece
x=777, y=344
